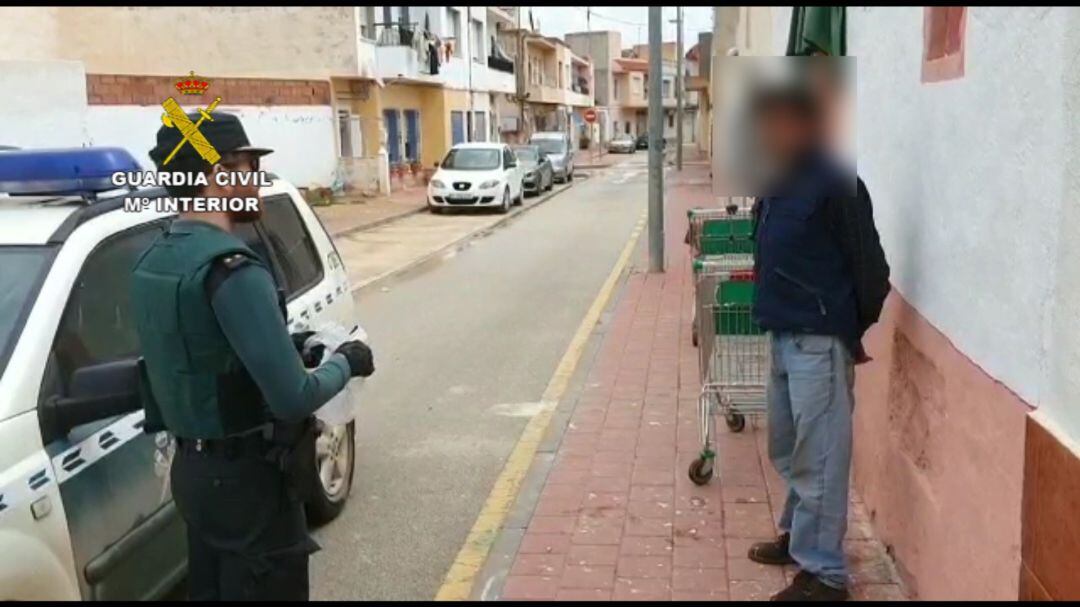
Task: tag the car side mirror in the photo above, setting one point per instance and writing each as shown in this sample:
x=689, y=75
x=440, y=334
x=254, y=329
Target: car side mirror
x=98, y=392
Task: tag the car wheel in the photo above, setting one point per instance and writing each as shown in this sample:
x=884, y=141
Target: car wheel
x=335, y=460
x=505, y=207
x=521, y=197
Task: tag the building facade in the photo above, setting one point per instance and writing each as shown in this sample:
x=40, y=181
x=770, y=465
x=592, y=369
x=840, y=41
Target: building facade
x=967, y=433
x=360, y=98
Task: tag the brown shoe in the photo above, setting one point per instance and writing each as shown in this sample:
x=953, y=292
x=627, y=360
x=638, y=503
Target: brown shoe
x=772, y=553
x=807, y=587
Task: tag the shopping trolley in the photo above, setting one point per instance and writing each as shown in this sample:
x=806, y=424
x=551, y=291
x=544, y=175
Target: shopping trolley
x=733, y=352
x=720, y=231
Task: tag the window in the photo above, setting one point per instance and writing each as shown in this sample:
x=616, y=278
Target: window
x=24, y=270
x=671, y=120
x=292, y=246
x=666, y=90
x=476, y=42
x=471, y=159
x=943, y=42
x=351, y=141
x=479, y=132
x=615, y=89
x=454, y=16
x=508, y=158
x=98, y=325
x=627, y=127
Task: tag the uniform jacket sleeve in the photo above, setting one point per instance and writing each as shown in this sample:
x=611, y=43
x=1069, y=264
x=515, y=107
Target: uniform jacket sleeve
x=246, y=307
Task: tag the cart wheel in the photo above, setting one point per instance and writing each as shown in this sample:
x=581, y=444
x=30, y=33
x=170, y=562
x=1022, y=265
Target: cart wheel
x=701, y=471
x=735, y=422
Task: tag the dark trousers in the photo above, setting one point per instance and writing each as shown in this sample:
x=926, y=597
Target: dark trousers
x=247, y=537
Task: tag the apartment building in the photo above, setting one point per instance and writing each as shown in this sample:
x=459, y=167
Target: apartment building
x=442, y=74
x=967, y=433
x=555, y=86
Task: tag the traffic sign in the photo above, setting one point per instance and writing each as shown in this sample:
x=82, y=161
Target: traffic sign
x=590, y=115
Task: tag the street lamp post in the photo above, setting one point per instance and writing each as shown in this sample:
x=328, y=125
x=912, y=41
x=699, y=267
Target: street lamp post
x=656, y=138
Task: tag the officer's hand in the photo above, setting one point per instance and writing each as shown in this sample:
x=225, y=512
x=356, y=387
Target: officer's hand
x=361, y=360
x=298, y=340
x=314, y=355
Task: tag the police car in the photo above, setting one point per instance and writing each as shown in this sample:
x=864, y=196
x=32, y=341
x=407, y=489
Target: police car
x=85, y=506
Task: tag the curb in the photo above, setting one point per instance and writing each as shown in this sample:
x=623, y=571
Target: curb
x=377, y=222
x=367, y=284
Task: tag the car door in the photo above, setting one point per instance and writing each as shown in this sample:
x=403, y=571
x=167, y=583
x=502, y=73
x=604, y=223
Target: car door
x=514, y=173
x=314, y=284
x=127, y=539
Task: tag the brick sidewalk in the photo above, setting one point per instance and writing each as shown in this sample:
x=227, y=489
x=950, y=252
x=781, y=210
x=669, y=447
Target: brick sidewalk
x=351, y=213
x=617, y=517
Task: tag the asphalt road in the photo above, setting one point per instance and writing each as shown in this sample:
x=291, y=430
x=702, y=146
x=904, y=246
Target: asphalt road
x=464, y=349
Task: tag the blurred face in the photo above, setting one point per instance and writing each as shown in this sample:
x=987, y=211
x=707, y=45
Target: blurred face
x=785, y=133
x=239, y=163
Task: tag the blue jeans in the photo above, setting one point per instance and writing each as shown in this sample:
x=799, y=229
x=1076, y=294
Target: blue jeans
x=810, y=404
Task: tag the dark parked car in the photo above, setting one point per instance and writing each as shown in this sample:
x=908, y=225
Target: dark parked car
x=643, y=142
x=536, y=166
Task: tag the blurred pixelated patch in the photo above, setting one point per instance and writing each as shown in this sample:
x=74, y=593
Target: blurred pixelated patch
x=817, y=90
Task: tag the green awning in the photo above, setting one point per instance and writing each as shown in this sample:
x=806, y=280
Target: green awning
x=818, y=28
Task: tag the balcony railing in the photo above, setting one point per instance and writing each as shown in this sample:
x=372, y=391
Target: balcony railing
x=502, y=65
x=396, y=34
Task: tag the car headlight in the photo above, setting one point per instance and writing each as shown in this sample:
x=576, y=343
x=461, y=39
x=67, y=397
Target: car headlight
x=489, y=184
x=530, y=174
x=438, y=185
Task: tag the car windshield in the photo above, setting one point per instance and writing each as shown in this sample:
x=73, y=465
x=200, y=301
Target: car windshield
x=19, y=282
x=473, y=159
x=551, y=146
x=528, y=154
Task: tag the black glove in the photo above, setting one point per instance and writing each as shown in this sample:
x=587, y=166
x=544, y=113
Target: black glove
x=314, y=355
x=361, y=361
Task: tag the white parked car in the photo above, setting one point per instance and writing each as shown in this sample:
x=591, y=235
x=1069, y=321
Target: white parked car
x=477, y=175
x=85, y=506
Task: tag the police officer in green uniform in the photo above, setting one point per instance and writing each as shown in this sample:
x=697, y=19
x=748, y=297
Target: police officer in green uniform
x=223, y=375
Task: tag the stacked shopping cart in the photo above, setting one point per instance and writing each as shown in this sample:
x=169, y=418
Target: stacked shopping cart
x=733, y=352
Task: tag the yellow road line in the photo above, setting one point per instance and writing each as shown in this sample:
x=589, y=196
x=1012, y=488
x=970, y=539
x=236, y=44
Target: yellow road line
x=459, y=580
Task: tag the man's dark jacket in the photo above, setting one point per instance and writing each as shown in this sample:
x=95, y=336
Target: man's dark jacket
x=819, y=265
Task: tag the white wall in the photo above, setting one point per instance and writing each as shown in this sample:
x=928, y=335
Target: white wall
x=302, y=137
x=975, y=184
x=49, y=108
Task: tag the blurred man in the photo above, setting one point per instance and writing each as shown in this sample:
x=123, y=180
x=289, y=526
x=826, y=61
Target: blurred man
x=821, y=279
x=224, y=377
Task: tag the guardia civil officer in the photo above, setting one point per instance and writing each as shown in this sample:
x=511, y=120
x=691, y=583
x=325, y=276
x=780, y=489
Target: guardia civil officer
x=222, y=374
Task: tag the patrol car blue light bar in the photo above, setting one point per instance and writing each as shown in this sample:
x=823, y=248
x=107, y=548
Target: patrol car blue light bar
x=63, y=171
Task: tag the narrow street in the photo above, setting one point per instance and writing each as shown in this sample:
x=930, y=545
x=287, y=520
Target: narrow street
x=464, y=349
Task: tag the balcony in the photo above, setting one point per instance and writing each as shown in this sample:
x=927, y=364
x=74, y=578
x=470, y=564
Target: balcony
x=501, y=65
x=401, y=53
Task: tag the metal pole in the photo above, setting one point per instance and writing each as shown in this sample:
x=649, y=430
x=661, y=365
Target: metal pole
x=467, y=34
x=656, y=138
x=679, y=84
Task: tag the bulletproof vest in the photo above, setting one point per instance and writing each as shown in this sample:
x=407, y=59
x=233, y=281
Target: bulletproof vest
x=198, y=386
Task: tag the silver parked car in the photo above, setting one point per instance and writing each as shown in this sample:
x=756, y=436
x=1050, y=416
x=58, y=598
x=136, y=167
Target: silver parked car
x=539, y=176
x=556, y=145
x=622, y=143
